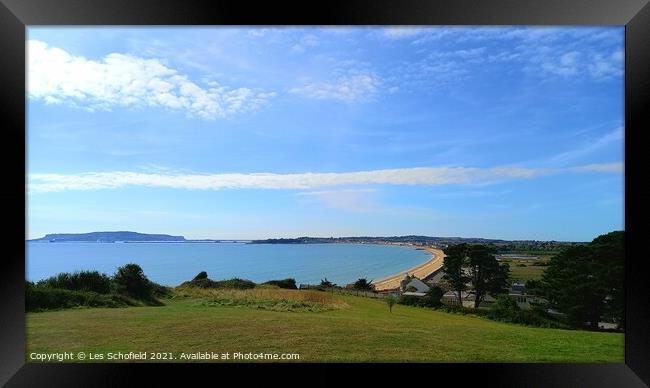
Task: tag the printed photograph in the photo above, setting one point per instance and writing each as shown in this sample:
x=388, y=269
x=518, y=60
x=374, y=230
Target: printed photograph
x=325, y=194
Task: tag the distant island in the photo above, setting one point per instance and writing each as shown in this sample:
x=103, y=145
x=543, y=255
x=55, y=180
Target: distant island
x=109, y=237
x=441, y=242
x=123, y=236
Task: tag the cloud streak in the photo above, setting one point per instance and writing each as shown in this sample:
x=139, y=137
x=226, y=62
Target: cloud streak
x=57, y=77
x=615, y=136
x=354, y=200
x=402, y=32
x=347, y=88
x=427, y=176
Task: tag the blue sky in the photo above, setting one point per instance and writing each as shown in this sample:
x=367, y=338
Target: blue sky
x=217, y=132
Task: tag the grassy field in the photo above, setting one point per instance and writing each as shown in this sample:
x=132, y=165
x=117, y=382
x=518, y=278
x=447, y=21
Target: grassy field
x=524, y=270
x=342, y=328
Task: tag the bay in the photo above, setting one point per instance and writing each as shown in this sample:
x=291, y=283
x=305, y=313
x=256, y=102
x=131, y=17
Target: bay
x=173, y=263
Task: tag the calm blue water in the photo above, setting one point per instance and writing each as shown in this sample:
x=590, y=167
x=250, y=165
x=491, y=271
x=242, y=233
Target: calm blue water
x=173, y=263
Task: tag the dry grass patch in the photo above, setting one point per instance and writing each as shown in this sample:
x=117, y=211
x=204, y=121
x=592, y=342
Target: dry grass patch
x=266, y=298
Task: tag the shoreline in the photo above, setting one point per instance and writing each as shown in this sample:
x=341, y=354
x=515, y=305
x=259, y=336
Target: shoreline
x=420, y=271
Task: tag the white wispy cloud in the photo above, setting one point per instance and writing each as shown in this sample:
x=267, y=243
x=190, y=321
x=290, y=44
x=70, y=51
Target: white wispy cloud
x=401, y=32
x=588, y=148
x=574, y=63
x=58, y=77
x=604, y=167
x=39, y=183
x=305, y=42
x=606, y=66
x=355, y=200
x=566, y=65
x=346, y=88
x=541, y=52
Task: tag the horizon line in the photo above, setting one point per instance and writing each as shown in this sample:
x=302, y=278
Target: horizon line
x=318, y=237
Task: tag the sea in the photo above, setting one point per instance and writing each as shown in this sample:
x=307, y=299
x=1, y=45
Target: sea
x=170, y=264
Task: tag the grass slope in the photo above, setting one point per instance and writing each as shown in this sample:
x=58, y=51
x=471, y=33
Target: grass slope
x=356, y=330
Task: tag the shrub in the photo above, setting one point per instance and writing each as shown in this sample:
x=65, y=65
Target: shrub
x=236, y=283
x=202, y=281
x=410, y=300
x=289, y=283
x=362, y=284
x=431, y=299
x=505, y=309
x=324, y=283
x=128, y=287
x=79, y=281
x=391, y=300
x=433, y=296
x=131, y=280
x=38, y=298
x=160, y=291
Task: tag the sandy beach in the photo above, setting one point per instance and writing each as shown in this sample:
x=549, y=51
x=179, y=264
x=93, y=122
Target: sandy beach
x=421, y=271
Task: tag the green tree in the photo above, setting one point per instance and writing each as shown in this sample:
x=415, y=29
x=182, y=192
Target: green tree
x=391, y=300
x=131, y=280
x=326, y=283
x=586, y=281
x=454, y=264
x=433, y=296
x=505, y=307
x=363, y=284
x=609, y=249
x=486, y=275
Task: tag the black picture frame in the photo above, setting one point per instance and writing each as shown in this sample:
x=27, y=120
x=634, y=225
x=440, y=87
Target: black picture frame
x=15, y=15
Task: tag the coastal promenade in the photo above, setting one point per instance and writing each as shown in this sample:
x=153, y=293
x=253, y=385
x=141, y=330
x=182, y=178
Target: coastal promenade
x=421, y=271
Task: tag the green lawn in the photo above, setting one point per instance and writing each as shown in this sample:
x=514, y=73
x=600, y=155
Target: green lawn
x=358, y=330
x=523, y=274
x=524, y=270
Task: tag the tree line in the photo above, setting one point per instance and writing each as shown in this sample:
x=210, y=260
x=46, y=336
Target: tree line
x=583, y=282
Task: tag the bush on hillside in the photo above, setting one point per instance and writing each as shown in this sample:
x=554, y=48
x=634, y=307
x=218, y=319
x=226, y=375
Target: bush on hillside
x=505, y=309
x=160, y=291
x=236, y=283
x=289, y=283
x=128, y=287
x=79, y=281
x=324, y=283
x=410, y=300
x=202, y=281
x=433, y=297
x=38, y=298
x=130, y=280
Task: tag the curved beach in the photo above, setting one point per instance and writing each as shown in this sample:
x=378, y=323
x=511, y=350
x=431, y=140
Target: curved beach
x=421, y=271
